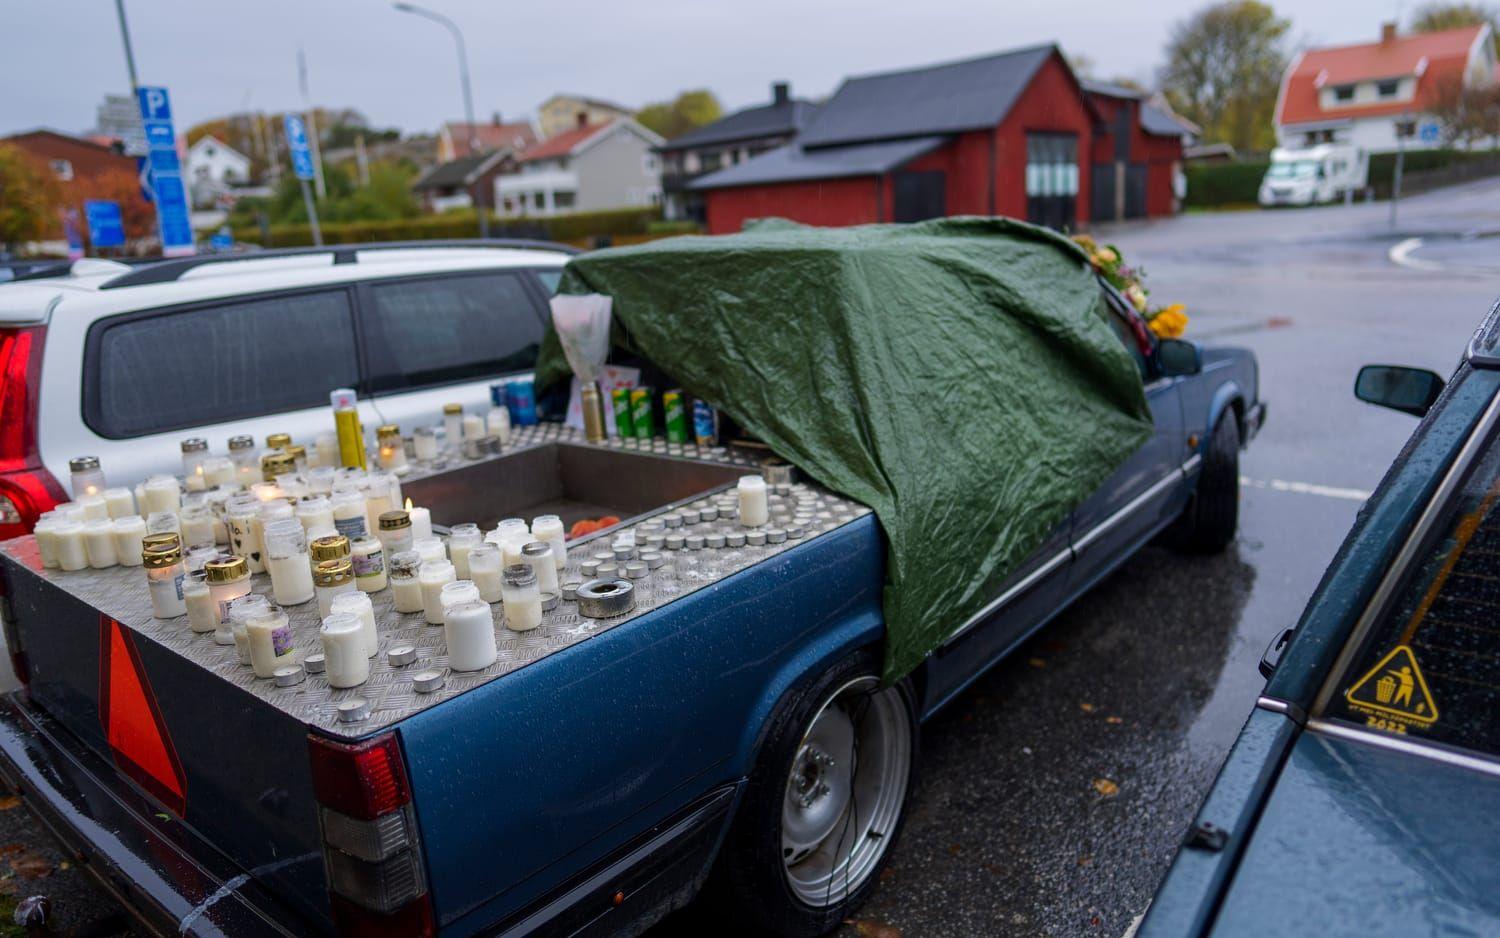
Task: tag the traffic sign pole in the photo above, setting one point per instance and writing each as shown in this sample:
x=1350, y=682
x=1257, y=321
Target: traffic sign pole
x=312, y=213
x=304, y=167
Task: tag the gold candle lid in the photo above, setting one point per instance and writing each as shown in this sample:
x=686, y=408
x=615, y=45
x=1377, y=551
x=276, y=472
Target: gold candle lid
x=278, y=440
x=453, y=408
x=161, y=539
x=226, y=569
x=392, y=520
x=275, y=464
x=333, y=572
x=156, y=556
x=329, y=547
x=388, y=430
x=296, y=451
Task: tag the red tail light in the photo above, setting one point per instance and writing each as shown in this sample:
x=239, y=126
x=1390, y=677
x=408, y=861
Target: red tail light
x=26, y=488
x=371, y=852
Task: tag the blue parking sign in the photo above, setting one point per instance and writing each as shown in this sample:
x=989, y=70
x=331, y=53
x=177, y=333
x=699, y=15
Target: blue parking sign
x=296, y=142
x=106, y=227
x=165, y=176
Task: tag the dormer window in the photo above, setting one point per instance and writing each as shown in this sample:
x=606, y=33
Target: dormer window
x=1388, y=88
x=1343, y=93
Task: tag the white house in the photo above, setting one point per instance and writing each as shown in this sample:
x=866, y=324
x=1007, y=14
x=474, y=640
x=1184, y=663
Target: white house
x=1370, y=93
x=592, y=167
x=213, y=160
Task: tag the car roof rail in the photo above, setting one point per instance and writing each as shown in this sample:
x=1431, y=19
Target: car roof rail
x=171, y=269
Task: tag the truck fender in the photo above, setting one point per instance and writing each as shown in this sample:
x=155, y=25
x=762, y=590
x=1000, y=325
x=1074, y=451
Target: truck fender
x=1227, y=397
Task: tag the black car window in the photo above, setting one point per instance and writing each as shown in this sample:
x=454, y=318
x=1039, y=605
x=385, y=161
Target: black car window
x=550, y=279
x=209, y=364
x=1430, y=667
x=437, y=330
x=1117, y=321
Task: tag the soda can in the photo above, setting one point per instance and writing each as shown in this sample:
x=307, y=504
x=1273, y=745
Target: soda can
x=705, y=423
x=620, y=398
x=520, y=400
x=642, y=419
x=499, y=394
x=675, y=412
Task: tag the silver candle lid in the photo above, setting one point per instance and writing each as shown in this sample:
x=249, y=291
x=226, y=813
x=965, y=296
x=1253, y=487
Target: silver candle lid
x=315, y=664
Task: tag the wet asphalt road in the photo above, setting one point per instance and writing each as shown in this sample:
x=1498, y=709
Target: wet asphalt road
x=1143, y=685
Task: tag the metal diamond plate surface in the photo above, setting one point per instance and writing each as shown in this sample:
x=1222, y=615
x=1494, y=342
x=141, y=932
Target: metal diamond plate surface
x=689, y=561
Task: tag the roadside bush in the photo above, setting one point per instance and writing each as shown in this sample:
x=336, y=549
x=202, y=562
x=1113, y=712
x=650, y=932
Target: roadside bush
x=577, y=226
x=677, y=227
x=1219, y=184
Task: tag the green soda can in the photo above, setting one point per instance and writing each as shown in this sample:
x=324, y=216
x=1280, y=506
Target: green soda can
x=641, y=416
x=620, y=398
x=676, y=416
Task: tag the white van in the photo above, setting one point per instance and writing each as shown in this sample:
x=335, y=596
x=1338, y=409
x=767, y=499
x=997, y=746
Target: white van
x=1317, y=174
x=123, y=362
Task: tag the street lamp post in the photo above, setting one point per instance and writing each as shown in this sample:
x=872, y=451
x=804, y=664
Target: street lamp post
x=463, y=74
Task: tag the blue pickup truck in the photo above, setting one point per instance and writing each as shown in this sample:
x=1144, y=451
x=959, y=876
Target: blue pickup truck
x=730, y=733
x=1363, y=794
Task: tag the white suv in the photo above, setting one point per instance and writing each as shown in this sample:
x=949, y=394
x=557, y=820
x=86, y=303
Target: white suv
x=123, y=363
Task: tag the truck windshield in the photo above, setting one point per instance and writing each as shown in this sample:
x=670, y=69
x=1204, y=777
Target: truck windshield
x=1430, y=667
x=1293, y=170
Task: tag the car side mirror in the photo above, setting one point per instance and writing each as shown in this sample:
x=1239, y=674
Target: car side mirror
x=1177, y=358
x=1409, y=390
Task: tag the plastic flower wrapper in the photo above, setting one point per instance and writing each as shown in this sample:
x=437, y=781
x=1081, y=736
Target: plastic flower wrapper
x=582, y=324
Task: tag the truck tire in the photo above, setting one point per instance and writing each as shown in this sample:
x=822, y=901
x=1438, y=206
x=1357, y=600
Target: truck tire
x=823, y=806
x=1208, y=523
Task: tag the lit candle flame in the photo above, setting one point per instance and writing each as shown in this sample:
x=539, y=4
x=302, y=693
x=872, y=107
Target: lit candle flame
x=408, y=504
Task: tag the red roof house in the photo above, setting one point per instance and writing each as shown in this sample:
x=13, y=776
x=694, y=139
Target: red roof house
x=1364, y=94
x=454, y=138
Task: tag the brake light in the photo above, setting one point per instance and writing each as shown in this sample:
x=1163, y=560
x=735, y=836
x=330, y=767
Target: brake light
x=26, y=488
x=371, y=852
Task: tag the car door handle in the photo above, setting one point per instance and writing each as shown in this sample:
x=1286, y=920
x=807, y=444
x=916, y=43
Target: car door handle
x=1271, y=657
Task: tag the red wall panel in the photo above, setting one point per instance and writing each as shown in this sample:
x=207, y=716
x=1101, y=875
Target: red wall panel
x=831, y=202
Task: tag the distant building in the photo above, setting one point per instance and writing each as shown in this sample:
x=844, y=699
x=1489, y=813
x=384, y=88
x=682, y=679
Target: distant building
x=213, y=167
x=464, y=183
x=564, y=112
x=727, y=142
x=454, y=137
x=70, y=158
x=1365, y=94
x=1136, y=167
x=588, y=168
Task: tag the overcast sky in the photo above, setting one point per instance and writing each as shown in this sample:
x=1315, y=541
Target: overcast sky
x=59, y=57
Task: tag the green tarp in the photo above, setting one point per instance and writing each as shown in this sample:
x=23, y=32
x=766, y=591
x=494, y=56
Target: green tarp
x=957, y=376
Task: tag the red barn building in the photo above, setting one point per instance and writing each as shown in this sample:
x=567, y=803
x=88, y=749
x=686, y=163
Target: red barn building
x=1008, y=134
x=1137, y=159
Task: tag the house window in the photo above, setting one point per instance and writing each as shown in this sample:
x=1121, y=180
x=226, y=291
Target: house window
x=711, y=161
x=1388, y=88
x=62, y=169
x=1343, y=93
x=564, y=200
x=539, y=199
x=648, y=163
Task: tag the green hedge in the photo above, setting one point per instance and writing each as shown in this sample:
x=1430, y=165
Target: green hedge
x=577, y=226
x=1219, y=184
x=1383, y=165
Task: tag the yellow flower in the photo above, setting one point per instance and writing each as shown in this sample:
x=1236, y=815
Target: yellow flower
x=1137, y=297
x=1106, y=256
x=1170, y=323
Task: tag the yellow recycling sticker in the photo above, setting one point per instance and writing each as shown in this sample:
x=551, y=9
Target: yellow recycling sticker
x=1394, y=692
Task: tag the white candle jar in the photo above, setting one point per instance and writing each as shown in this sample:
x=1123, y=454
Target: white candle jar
x=241, y=611
x=270, y=638
x=161, y=493
x=359, y=606
x=473, y=426
x=550, y=528
x=95, y=507
x=349, y=515
x=424, y=444
x=219, y=471
x=484, y=571
x=241, y=514
x=521, y=598
x=119, y=502
x=406, y=589
x=391, y=449
x=196, y=524
x=320, y=480
x=380, y=497
x=128, y=533
x=228, y=579
x=288, y=562
x=85, y=476
x=755, y=509
x=498, y=423
x=345, y=661
x=315, y=511
x=333, y=578
x=326, y=445
x=99, y=543
x=194, y=452
x=164, y=579
x=199, y=599
x=72, y=553
x=368, y=557
x=430, y=548
x=395, y=532
x=453, y=424
x=246, y=460
x=46, y=540
x=539, y=555
x=459, y=591
x=434, y=575
x=469, y=630
x=463, y=538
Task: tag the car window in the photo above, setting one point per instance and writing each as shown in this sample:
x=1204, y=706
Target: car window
x=442, y=329
x=232, y=360
x=550, y=279
x=1116, y=317
x=1430, y=666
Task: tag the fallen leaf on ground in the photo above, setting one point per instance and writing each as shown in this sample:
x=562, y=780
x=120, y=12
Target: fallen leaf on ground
x=955, y=849
x=9, y=802
x=1085, y=860
x=1037, y=662
x=1115, y=720
x=1106, y=787
x=1086, y=707
x=31, y=865
x=869, y=929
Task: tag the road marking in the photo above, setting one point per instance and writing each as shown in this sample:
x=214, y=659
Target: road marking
x=1400, y=254
x=1307, y=488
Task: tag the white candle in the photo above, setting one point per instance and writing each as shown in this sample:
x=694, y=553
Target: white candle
x=99, y=543
x=498, y=423
x=359, y=606
x=511, y=544
x=128, y=533
x=94, y=507
x=346, y=664
x=140, y=498
x=424, y=444
x=218, y=470
x=459, y=591
x=755, y=509
x=161, y=494
x=164, y=580
x=287, y=561
x=462, y=538
x=484, y=571
x=119, y=502
x=242, y=513
x=421, y=521
x=378, y=501
x=72, y=554
x=326, y=446
x=368, y=557
x=241, y=611
x=202, y=611
x=522, y=600
x=469, y=628
x=349, y=513
x=270, y=638
x=539, y=555
x=429, y=548
x=453, y=424
x=197, y=526
x=434, y=575
x=46, y=541
x=406, y=588
x=473, y=426
x=549, y=528
x=315, y=512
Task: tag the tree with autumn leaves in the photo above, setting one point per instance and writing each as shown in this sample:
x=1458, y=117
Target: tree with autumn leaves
x=33, y=201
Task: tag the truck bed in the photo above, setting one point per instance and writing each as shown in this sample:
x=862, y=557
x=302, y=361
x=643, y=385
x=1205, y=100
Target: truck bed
x=547, y=469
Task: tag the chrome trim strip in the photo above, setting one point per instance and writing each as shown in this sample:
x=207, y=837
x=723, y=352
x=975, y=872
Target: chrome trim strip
x=1031, y=580
x=1405, y=746
x=1287, y=709
x=1472, y=449
x=1131, y=507
x=1192, y=464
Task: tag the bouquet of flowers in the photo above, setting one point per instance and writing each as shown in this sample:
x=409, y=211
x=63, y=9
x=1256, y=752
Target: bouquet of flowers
x=1167, y=322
